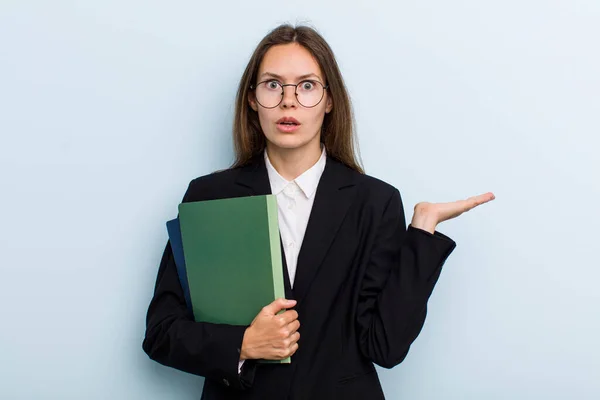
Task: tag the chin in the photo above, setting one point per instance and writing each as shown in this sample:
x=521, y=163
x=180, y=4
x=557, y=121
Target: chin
x=289, y=141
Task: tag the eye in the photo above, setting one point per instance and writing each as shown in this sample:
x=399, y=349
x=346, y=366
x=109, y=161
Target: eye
x=272, y=84
x=307, y=85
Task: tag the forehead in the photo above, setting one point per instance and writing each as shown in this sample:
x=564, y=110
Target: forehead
x=289, y=61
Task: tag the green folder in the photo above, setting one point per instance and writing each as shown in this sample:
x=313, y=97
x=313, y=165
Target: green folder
x=233, y=258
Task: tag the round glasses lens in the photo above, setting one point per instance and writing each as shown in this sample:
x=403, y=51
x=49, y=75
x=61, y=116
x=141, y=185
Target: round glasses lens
x=310, y=93
x=269, y=94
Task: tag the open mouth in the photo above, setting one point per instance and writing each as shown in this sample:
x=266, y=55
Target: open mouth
x=288, y=121
x=287, y=125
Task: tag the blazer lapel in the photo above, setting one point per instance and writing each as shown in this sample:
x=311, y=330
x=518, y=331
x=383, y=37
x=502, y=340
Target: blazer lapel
x=254, y=176
x=289, y=292
x=335, y=193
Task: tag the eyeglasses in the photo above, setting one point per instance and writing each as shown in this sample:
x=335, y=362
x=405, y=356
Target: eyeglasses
x=269, y=93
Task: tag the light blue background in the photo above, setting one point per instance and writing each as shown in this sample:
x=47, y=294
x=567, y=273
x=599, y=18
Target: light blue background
x=109, y=108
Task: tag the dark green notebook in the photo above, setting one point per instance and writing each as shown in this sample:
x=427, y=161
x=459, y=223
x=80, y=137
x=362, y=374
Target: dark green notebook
x=232, y=257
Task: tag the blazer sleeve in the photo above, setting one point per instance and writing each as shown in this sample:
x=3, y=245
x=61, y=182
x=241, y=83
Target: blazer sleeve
x=402, y=271
x=174, y=339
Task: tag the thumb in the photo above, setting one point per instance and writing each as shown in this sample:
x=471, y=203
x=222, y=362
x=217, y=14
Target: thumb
x=278, y=305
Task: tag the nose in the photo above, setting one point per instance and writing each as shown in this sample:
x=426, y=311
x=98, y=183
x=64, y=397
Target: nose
x=289, y=97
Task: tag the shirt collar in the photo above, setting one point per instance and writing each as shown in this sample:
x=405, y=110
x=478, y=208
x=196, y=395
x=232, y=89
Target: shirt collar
x=307, y=181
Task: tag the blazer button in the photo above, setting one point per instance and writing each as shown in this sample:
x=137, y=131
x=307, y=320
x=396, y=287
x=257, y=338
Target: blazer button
x=225, y=382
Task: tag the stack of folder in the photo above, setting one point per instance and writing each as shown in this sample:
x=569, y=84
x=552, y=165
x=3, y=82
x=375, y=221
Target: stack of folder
x=228, y=257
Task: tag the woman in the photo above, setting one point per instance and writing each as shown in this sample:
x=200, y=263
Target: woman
x=357, y=280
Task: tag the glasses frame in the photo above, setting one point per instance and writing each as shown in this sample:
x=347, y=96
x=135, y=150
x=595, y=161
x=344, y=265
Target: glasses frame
x=253, y=88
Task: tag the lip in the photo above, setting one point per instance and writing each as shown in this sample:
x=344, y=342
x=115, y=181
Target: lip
x=287, y=128
x=288, y=119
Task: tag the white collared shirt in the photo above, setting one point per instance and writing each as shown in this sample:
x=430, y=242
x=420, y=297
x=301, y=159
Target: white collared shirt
x=294, y=204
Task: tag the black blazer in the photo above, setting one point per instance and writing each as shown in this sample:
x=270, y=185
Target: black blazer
x=362, y=285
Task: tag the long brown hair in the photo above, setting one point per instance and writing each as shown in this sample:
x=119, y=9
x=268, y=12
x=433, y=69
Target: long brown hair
x=338, y=129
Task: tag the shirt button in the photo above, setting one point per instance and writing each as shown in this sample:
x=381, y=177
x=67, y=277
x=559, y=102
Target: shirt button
x=225, y=382
x=290, y=206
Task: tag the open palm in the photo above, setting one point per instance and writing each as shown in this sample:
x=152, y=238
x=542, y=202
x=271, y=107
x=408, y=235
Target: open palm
x=428, y=215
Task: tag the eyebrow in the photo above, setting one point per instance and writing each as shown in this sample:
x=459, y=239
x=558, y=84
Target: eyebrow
x=281, y=78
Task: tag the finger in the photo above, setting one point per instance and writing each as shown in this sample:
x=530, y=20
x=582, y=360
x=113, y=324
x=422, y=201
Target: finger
x=286, y=352
x=287, y=317
x=278, y=305
x=475, y=201
x=294, y=337
x=293, y=349
x=293, y=326
x=446, y=211
x=489, y=196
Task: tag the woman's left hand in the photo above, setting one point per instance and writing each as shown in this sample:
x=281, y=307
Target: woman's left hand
x=428, y=215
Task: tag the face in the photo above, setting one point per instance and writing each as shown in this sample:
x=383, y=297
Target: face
x=285, y=64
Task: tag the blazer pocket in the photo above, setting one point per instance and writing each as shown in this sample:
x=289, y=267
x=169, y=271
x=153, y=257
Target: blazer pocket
x=351, y=378
x=362, y=386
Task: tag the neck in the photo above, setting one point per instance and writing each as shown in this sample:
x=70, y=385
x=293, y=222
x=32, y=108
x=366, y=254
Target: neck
x=291, y=163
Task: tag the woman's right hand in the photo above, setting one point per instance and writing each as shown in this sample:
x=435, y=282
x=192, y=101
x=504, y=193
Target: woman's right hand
x=272, y=336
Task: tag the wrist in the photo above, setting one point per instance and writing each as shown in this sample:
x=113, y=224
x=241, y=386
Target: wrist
x=244, y=350
x=425, y=223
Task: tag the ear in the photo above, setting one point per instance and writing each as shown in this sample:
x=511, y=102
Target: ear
x=329, y=105
x=252, y=101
